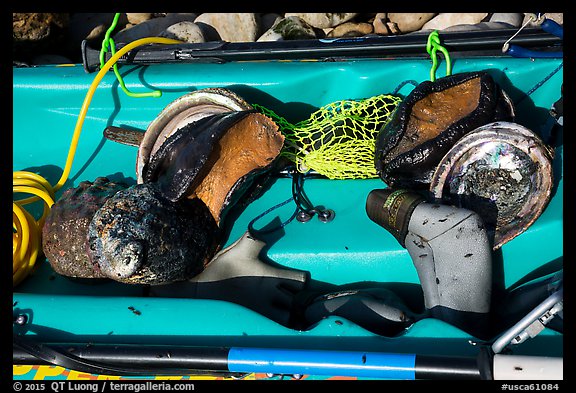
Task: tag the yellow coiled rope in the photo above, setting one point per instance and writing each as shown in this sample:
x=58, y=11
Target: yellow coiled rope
x=27, y=231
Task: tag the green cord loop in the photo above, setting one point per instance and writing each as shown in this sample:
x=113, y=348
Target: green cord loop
x=108, y=43
x=432, y=46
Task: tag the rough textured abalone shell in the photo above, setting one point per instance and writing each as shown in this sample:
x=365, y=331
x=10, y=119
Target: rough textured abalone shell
x=65, y=229
x=140, y=237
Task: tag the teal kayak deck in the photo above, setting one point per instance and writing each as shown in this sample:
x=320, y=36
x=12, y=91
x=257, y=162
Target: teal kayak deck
x=349, y=249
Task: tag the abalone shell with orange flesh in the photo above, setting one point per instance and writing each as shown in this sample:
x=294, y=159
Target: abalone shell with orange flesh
x=212, y=158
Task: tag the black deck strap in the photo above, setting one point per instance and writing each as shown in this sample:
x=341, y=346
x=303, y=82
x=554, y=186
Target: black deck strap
x=481, y=43
x=69, y=361
x=242, y=274
x=378, y=310
x=114, y=359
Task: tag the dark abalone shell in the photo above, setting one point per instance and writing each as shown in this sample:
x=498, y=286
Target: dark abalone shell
x=140, y=237
x=66, y=227
x=429, y=121
x=216, y=159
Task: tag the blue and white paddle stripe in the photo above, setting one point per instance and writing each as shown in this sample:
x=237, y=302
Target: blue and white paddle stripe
x=319, y=362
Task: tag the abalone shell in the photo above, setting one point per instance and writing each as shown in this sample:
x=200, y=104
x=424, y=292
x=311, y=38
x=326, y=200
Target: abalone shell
x=66, y=227
x=429, y=121
x=140, y=237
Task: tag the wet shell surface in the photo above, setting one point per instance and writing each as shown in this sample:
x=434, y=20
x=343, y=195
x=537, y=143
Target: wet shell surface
x=140, y=237
x=429, y=121
x=182, y=111
x=66, y=227
x=213, y=157
x=209, y=144
x=203, y=154
x=503, y=172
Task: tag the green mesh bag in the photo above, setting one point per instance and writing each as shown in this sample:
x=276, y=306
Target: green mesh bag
x=338, y=140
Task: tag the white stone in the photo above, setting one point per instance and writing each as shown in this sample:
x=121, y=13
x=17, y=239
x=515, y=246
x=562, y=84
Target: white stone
x=479, y=26
x=513, y=19
x=556, y=17
x=232, y=27
x=379, y=23
x=185, y=31
x=445, y=20
x=323, y=20
x=270, y=35
x=408, y=22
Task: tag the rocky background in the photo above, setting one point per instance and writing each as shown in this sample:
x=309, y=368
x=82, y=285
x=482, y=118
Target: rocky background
x=55, y=38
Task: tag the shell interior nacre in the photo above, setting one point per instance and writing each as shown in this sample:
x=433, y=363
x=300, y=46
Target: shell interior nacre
x=503, y=172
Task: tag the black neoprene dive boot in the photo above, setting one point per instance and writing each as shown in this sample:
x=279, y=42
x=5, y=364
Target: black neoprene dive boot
x=451, y=251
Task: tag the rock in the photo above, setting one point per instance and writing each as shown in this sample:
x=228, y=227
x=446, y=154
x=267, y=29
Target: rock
x=393, y=28
x=445, y=20
x=479, y=26
x=136, y=18
x=557, y=17
x=270, y=35
x=289, y=28
x=33, y=33
x=408, y=22
x=37, y=26
x=231, y=27
x=513, y=19
x=351, y=29
x=185, y=31
x=379, y=24
x=323, y=20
